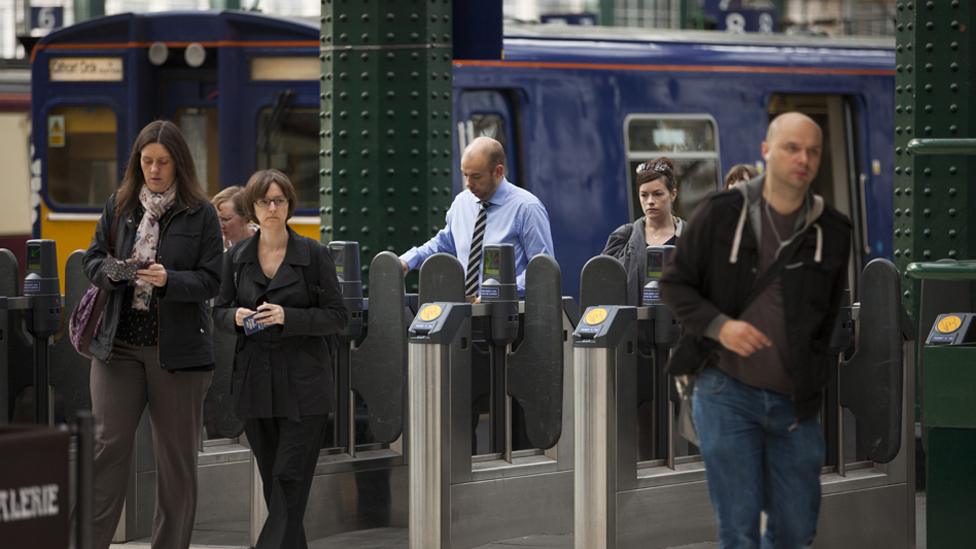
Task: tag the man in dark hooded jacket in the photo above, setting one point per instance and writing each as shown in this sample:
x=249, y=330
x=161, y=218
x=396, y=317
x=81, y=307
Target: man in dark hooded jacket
x=757, y=285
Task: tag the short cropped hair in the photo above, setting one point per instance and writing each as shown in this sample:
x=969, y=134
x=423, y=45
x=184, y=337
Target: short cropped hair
x=740, y=172
x=258, y=185
x=233, y=194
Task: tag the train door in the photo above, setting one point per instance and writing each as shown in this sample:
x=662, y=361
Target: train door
x=279, y=108
x=842, y=176
x=188, y=97
x=487, y=113
x=840, y=181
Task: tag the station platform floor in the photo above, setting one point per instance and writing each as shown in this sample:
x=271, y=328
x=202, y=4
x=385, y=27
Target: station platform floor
x=230, y=536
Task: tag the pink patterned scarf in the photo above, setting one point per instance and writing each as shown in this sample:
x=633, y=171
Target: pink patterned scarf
x=147, y=238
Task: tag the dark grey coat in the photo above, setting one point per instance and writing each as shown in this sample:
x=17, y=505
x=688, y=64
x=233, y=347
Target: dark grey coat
x=190, y=247
x=283, y=371
x=627, y=244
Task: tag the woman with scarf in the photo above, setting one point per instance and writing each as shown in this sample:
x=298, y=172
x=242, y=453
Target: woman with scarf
x=157, y=250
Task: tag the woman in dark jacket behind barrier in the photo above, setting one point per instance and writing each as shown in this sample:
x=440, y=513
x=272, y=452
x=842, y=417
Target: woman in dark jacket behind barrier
x=282, y=381
x=656, y=191
x=154, y=344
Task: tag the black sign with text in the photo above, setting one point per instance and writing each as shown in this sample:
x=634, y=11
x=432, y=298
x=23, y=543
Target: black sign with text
x=34, y=498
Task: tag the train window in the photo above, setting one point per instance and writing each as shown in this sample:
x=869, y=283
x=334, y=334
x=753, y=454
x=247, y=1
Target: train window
x=484, y=125
x=690, y=141
x=281, y=68
x=82, y=163
x=288, y=140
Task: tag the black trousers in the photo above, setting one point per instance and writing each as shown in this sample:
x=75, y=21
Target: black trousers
x=286, y=452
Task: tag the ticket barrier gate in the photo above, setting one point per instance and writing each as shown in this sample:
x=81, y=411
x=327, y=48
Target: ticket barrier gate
x=375, y=472
x=457, y=499
x=868, y=499
x=948, y=410
x=27, y=323
x=360, y=481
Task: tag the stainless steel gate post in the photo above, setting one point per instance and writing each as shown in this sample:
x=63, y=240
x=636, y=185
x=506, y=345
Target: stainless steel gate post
x=604, y=347
x=439, y=335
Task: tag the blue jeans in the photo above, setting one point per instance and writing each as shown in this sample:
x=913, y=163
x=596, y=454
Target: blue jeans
x=758, y=458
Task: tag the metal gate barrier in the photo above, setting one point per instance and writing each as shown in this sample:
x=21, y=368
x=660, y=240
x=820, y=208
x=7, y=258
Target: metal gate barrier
x=868, y=491
x=360, y=481
x=948, y=414
x=475, y=496
x=459, y=499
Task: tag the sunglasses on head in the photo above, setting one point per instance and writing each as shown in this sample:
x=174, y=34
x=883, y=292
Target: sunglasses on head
x=659, y=166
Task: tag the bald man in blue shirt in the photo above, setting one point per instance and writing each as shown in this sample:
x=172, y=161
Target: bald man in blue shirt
x=513, y=215
x=510, y=215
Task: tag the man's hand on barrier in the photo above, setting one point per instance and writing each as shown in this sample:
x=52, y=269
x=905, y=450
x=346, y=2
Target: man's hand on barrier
x=742, y=338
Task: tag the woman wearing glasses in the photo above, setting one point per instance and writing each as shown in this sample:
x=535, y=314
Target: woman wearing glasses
x=280, y=293
x=656, y=191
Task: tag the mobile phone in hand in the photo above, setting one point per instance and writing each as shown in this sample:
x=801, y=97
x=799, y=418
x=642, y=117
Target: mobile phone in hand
x=118, y=270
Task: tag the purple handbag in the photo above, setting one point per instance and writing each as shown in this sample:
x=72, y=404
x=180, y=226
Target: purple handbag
x=86, y=319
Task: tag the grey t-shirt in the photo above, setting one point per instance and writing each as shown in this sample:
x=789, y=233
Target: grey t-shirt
x=766, y=368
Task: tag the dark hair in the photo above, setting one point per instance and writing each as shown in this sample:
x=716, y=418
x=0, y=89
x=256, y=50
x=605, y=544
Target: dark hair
x=167, y=134
x=258, y=185
x=656, y=169
x=233, y=194
x=738, y=173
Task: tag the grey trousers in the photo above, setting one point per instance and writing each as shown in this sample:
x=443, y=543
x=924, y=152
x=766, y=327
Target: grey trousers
x=120, y=391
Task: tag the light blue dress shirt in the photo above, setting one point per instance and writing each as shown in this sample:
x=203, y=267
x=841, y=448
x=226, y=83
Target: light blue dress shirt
x=515, y=217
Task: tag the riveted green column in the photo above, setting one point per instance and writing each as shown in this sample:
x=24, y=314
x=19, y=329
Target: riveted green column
x=934, y=87
x=904, y=129
x=386, y=122
x=935, y=152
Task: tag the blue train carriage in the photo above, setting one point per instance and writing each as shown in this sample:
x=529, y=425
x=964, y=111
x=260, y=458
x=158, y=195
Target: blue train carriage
x=97, y=83
x=577, y=113
x=581, y=111
x=15, y=221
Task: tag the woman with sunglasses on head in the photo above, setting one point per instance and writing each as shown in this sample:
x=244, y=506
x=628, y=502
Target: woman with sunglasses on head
x=280, y=293
x=156, y=251
x=656, y=191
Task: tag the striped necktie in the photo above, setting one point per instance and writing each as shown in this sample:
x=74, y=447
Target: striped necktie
x=477, y=247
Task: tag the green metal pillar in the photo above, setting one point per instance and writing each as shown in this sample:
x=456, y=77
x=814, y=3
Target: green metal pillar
x=88, y=9
x=934, y=216
x=606, y=13
x=691, y=15
x=225, y=4
x=385, y=177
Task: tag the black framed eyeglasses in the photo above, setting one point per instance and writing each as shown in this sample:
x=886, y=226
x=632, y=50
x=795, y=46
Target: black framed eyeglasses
x=266, y=202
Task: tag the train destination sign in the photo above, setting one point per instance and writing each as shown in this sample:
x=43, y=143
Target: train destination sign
x=86, y=69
